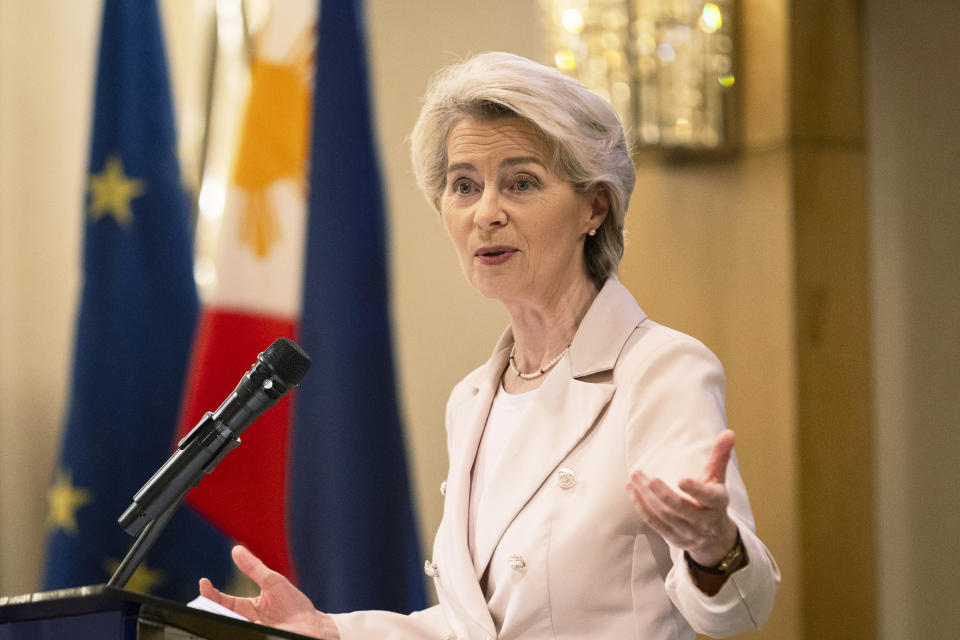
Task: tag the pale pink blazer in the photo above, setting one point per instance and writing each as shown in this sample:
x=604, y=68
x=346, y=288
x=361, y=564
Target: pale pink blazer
x=629, y=394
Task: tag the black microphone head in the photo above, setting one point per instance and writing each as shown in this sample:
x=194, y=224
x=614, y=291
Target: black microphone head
x=288, y=359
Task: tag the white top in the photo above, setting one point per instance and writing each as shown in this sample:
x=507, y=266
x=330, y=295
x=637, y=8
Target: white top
x=506, y=412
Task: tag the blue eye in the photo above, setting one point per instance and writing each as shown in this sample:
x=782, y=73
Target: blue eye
x=462, y=187
x=524, y=182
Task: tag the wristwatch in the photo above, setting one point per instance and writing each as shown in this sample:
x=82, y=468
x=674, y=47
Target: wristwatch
x=728, y=564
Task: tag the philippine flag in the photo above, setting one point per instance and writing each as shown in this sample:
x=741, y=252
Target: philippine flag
x=320, y=493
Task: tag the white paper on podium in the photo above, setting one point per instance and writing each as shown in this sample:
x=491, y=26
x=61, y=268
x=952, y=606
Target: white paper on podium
x=206, y=604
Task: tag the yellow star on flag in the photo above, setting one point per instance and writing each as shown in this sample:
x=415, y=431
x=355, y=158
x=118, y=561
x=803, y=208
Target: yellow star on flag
x=112, y=191
x=143, y=580
x=64, y=500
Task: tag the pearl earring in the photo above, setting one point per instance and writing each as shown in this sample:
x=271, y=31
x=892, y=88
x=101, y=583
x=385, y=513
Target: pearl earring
x=592, y=232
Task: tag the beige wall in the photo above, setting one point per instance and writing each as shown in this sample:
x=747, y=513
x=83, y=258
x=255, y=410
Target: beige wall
x=46, y=75
x=914, y=153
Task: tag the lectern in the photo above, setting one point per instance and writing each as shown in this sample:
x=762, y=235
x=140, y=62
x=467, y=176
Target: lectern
x=107, y=613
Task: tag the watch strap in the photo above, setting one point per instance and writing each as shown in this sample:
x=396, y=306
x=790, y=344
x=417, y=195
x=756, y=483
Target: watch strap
x=728, y=564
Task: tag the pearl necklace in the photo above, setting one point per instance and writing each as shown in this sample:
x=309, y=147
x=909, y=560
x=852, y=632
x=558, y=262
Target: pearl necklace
x=541, y=371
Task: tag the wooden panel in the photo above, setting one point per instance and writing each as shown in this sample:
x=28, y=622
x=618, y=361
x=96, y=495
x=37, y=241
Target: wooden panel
x=835, y=424
x=834, y=396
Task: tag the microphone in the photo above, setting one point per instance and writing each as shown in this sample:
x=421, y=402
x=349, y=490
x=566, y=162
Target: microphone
x=277, y=370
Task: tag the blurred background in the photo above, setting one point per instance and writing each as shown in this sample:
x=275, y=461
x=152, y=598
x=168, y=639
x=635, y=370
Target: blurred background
x=817, y=252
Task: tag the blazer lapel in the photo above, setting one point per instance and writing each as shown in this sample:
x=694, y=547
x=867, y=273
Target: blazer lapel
x=469, y=420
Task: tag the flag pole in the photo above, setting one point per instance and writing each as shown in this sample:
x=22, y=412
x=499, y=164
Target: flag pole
x=207, y=116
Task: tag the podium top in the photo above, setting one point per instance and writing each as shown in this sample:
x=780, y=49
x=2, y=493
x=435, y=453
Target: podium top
x=101, y=598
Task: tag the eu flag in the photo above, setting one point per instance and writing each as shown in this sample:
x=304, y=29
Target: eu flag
x=353, y=536
x=136, y=319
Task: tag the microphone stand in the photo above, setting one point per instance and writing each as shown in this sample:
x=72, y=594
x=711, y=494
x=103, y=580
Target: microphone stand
x=198, y=453
x=204, y=447
x=141, y=546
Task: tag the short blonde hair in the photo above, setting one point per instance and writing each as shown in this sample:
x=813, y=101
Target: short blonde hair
x=584, y=133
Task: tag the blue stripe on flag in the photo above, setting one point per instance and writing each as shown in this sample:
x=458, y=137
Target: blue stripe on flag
x=135, y=323
x=353, y=534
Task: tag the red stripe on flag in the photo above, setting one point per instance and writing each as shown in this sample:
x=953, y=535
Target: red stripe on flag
x=246, y=495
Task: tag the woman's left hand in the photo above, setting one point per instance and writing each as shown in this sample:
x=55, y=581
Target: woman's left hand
x=280, y=604
x=695, y=520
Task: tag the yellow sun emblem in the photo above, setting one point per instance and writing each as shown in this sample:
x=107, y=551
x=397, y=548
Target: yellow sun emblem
x=273, y=144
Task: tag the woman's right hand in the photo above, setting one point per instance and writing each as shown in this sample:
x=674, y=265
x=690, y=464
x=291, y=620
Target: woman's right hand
x=280, y=604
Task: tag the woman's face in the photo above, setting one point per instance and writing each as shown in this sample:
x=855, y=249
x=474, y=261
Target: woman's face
x=517, y=227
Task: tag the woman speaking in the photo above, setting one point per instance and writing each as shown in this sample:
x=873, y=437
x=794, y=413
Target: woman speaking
x=591, y=491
